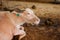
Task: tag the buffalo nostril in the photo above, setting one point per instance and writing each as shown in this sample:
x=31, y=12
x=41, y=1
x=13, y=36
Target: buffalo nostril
x=37, y=20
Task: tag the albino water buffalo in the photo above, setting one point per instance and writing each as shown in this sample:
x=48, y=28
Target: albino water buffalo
x=10, y=23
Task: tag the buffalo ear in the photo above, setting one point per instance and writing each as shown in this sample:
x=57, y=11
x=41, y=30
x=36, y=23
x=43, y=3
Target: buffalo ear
x=33, y=7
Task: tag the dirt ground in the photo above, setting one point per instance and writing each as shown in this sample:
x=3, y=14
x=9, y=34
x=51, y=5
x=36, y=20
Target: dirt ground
x=42, y=32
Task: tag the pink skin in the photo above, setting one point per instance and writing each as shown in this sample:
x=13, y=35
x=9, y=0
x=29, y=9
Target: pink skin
x=7, y=29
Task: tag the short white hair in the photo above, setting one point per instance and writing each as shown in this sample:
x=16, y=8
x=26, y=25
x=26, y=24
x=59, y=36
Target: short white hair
x=29, y=10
